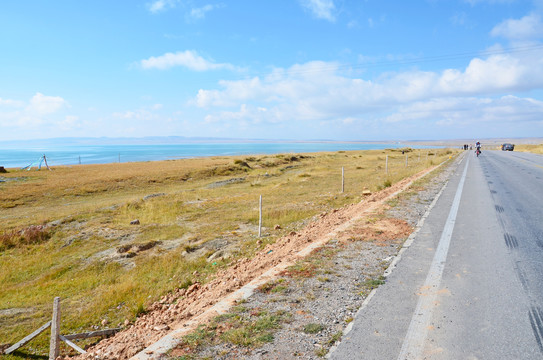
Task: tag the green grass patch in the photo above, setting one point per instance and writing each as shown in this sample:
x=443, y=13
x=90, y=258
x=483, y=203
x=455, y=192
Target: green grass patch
x=313, y=328
x=241, y=327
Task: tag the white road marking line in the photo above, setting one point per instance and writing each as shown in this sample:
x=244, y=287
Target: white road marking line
x=413, y=345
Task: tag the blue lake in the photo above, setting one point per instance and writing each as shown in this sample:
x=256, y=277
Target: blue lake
x=11, y=157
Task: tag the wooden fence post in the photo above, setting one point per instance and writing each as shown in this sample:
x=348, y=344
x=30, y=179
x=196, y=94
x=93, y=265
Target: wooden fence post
x=386, y=165
x=342, y=179
x=260, y=217
x=406, y=160
x=54, y=346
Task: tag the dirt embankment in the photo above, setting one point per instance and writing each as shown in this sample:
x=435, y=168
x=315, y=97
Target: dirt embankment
x=176, y=309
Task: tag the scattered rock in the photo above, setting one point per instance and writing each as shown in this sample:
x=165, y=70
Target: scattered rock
x=277, y=227
x=161, y=328
x=366, y=192
x=135, y=222
x=147, y=197
x=215, y=256
x=225, y=182
x=104, y=322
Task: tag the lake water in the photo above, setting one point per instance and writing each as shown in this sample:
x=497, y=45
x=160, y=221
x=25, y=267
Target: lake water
x=12, y=157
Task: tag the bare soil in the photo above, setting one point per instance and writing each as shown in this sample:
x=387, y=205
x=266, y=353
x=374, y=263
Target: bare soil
x=366, y=237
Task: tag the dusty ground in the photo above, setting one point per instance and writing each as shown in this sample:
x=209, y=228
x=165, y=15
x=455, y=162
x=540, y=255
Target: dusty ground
x=329, y=299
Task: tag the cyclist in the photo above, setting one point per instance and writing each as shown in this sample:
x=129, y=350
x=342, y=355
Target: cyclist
x=477, y=148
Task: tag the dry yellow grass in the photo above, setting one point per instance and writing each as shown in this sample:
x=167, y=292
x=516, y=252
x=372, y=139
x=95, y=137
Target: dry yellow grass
x=536, y=149
x=99, y=264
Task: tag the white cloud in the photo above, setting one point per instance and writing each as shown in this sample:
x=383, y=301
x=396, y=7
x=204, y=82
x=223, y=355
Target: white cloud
x=68, y=123
x=352, y=24
x=317, y=92
x=189, y=59
x=321, y=9
x=475, y=2
x=39, y=111
x=470, y=111
x=10, y=103
x=527, y=28
x=200, y=13
x=459, y=19
x=42, y=105
x=139, y=114
x=160, y=5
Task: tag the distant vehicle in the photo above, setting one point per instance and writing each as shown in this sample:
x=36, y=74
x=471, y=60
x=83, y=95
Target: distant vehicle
x=508, y=147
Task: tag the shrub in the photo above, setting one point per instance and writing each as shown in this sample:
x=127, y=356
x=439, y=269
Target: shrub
x=241, y=163
x=34, y=234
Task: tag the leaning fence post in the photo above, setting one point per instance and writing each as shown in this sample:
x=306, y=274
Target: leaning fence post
x=260, y=217
x=342, y=179
x=54, y=346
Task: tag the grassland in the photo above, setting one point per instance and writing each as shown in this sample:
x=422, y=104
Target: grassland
x=536, y=149
x=67, y=232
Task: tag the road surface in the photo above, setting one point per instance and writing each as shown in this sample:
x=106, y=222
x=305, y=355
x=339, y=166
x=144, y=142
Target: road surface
x=470, y=285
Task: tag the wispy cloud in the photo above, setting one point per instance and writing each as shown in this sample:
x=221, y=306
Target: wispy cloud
x=11, y=103
x=321, y=9
x=528, y=27
x=188, y=59
x=200, y=13
x=42, y=105
x=158, y=6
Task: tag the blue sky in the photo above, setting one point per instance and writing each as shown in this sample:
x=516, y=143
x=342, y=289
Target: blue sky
x=272, y=69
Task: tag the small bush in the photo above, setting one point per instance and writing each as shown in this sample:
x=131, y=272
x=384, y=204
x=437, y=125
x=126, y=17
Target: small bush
x=34, y=234
x=241, y=163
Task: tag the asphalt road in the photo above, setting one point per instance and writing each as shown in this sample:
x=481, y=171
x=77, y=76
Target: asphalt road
x=470, y=285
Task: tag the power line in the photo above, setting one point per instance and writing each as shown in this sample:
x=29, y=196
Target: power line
x=391, y=63
x=421, y=60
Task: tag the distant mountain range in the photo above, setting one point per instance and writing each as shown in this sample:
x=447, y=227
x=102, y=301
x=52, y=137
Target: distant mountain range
x=154, y=140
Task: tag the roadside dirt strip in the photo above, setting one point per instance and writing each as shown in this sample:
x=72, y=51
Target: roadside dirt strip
x=179, y=313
